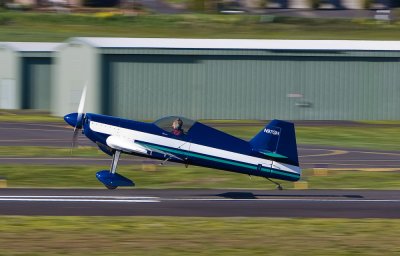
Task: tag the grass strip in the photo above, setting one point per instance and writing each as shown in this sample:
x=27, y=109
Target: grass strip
x=145, y=176
x=57, y=27
x=177, y=176
x=25, y=116
x=196, y=236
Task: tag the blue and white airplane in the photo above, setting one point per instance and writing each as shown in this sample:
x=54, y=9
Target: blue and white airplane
x=272, y=153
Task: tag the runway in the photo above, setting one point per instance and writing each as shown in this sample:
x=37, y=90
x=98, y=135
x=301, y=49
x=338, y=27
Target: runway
x=200, y=202
x=59, y=135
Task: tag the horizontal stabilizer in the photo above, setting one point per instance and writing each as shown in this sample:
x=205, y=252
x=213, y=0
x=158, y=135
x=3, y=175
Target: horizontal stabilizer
x=272, y=154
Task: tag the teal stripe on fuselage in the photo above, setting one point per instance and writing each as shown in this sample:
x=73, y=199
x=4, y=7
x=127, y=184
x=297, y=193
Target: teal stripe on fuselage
x=220, y=160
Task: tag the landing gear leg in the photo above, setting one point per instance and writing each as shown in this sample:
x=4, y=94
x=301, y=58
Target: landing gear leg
x=114, y=162
x=278, y=185
x=110, y=178
x=113, y=168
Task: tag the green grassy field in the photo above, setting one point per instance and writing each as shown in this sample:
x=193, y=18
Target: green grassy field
x=146, y=176
x=57, y=27
x=26, y=116
x=197, y=236
x=377, y=138
x=177, y=176
x=363, y=137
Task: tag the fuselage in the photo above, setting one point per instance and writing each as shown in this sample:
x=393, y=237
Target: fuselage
x=200, y=145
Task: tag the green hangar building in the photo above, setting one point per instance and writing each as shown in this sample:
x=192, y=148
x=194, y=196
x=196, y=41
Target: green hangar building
x=146, y=78
x=26, y=75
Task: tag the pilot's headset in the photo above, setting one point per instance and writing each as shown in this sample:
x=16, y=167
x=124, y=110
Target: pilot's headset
x=180, y=123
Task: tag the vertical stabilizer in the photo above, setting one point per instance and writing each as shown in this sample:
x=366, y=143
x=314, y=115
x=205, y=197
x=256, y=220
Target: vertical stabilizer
x=277, y=140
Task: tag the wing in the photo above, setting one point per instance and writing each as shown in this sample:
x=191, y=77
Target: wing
x=132, y=146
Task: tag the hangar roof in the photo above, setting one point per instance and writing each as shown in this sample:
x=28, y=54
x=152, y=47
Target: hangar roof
x=30, y=46
x=247, y=44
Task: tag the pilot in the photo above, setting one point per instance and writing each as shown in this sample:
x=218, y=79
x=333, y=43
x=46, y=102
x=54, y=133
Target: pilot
x=177, y=127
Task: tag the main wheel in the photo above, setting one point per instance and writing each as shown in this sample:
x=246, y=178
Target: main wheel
x=111, y=187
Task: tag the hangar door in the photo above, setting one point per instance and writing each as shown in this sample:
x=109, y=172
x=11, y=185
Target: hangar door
x=194, y=86
x=148, y=86
x=36, y=83
x=251, y=87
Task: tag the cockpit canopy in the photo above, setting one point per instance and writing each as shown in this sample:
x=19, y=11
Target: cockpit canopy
x=165, y=123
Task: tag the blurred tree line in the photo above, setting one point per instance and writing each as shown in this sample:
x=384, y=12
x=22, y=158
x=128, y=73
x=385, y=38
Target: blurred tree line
x=217, y=5
x=101, y=3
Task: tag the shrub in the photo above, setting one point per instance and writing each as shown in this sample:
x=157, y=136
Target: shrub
x=263, y=3
x=100, y=3
x=5, y=19
x=197, y=5
x=314, y=4
x=367, y=4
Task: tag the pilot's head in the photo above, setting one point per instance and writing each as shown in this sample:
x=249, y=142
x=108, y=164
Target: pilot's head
x=177, y=124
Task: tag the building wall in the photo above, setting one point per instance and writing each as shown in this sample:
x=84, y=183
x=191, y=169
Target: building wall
x=300, y=86
x=9, y=79
x=77, y=65
x=25, y=78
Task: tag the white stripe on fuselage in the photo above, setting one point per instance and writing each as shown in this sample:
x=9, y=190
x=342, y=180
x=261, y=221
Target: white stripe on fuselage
x=192, y=147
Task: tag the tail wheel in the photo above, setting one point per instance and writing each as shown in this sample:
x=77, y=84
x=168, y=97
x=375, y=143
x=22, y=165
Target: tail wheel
x=111, y=187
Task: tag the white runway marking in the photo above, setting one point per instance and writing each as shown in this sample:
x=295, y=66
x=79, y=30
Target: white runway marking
x=80, y=197
x=102, y=199
x=78, y=200
x=149, y=199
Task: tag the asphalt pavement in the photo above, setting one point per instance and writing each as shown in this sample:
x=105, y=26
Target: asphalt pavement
x=200, y=202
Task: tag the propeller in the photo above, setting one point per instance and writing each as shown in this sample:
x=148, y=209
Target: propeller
x=79, y=118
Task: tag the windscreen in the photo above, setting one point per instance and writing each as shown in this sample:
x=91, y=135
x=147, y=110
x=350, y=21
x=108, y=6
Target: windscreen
x=166, y=123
